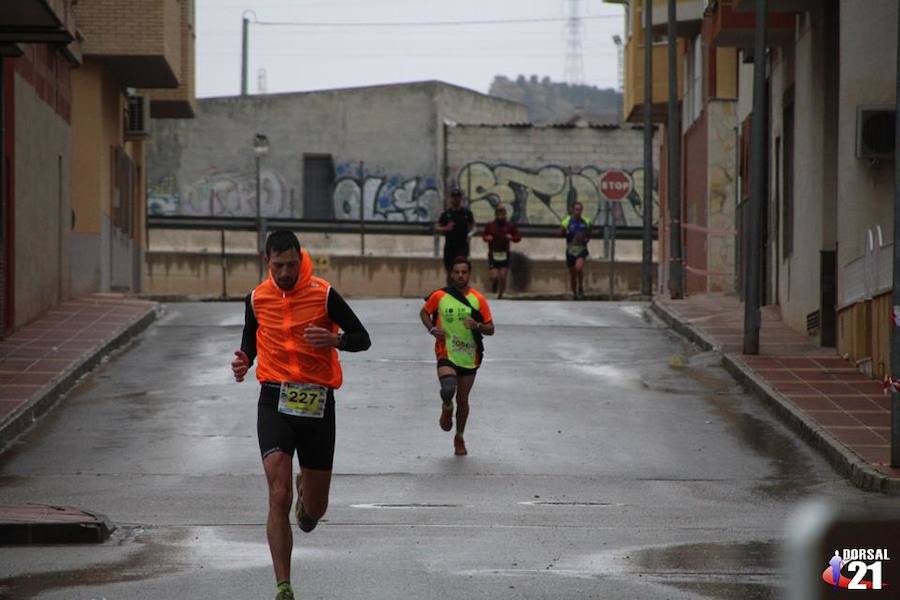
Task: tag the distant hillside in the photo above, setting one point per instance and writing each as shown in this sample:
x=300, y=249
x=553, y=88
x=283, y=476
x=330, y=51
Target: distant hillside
x=550, y=102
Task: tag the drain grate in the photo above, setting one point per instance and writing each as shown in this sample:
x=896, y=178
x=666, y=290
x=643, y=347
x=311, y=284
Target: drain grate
x=404, y=505
x=568, y=503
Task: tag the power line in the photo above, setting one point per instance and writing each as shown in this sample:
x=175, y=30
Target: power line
x=425, y=23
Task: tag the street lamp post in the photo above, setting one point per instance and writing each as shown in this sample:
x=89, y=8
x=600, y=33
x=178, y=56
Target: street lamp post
x=260, y=147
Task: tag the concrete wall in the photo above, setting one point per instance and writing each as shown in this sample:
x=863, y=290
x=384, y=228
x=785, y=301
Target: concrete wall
x=867, y=76
x=802, y=279
x=201, y=275
x=43, y=151
x=350, y=244
x=538, y=171
x=720, y=189
x=384, y=140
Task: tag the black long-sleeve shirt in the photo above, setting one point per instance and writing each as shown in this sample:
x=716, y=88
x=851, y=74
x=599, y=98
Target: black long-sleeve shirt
x=354, y=339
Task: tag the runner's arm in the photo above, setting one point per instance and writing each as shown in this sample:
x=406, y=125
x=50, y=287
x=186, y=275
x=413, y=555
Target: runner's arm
x=355, y=337
x=443, y=224
x=248, y=339
x=485, y=328
x=425, y=316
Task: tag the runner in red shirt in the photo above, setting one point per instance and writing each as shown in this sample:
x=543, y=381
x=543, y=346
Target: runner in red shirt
x=498, y=234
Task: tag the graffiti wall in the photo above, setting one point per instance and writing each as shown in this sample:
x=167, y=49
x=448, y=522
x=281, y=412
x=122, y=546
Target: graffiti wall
x=221, y=194
x=383, y=197
x=543, y=196
x=233, y=194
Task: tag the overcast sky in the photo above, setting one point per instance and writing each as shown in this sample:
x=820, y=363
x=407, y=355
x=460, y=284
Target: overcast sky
x=300, y=58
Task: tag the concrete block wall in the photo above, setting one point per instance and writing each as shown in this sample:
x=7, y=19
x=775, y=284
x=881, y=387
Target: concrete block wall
x=386, y=143
x=540, y=170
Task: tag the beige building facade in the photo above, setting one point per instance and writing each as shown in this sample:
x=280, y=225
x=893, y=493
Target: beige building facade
x=74, y=117
x=127, y=46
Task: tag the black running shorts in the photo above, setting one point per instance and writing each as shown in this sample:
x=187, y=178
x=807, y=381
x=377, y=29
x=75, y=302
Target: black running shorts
x=313, y=439
x=460, y=371
x=570, y=259
x=497, y=264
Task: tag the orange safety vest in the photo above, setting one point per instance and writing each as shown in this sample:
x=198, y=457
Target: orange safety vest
x=283, y=355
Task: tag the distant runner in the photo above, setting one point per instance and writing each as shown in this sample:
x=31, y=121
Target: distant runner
x=456, y=222
x=577, y=231
x=292, y=322
x=498, y=234
x=457, y=316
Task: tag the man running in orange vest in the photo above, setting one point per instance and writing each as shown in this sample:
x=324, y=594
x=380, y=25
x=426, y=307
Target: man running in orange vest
x=457, y=316
x=292, y=324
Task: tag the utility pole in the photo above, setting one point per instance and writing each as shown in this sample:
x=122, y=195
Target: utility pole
x=895, y=296
x=758, y=179
x=676, y=283
x=245, y=50
x=647, y=258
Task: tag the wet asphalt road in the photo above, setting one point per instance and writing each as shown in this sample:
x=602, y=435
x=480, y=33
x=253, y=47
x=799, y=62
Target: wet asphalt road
x=595, y=470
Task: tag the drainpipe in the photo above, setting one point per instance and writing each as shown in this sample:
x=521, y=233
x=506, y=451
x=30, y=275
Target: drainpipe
x=647, y=258
x=3, y=212
x=758, y=180
x=676, y=268
x=895, y=296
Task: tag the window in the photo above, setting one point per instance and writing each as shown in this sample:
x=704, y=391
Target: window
x=693, y=93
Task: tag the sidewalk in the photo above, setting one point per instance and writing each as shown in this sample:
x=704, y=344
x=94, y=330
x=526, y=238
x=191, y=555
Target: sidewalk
x=41, y=361
x=837, y=409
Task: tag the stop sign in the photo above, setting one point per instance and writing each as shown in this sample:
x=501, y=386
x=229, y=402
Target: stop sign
x=615, y=184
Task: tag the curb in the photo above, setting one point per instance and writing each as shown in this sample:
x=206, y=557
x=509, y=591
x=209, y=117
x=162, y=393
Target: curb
x=21, y=420
x=74, y=526
x=690, y=332
x=845, y=462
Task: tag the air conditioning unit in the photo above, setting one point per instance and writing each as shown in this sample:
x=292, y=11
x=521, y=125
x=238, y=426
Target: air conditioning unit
x=875, y=132
x=138, y=121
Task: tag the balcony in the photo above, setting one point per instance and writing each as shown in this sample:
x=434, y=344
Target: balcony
x=786, y=6
x=37, y=21
x=688, y=17
x=180, y=102
x=731, y=28
x=633, y=101
x=139, y=41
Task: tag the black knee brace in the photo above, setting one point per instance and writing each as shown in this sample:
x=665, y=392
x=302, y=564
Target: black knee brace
x=448, y=388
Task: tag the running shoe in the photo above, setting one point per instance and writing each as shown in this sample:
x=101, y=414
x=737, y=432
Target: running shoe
x=304, y=521
x=459, y=446
x=446, y=420
x=284, y=592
